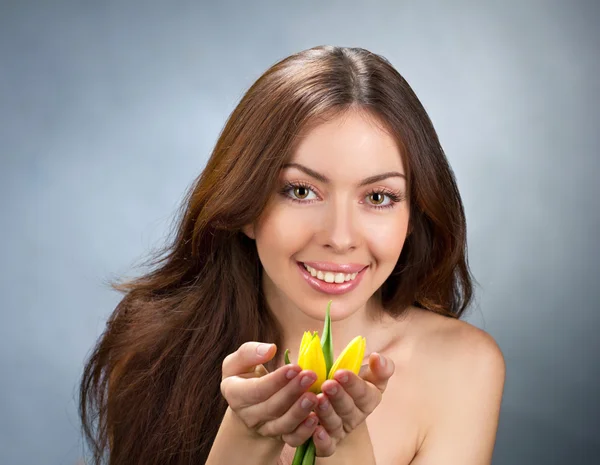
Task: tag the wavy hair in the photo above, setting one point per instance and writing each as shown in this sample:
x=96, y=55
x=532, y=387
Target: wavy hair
x=150, y=390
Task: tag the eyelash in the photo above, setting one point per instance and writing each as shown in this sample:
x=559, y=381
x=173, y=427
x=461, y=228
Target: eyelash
x=394, y=197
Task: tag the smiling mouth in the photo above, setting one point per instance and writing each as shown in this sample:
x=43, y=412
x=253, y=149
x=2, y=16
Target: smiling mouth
x=330, y=276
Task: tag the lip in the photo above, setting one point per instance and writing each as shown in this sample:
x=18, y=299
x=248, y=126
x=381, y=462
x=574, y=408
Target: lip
x=331, y=288
x=336, y=267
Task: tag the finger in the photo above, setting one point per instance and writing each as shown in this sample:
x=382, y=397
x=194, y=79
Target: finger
x=365, y=396
x=378, y=373
x=268, y=385
x=324, y=444
x=291, y=419
x=328, y=418
x=246, y=358
x=281, y=401
x=303, y=432
x=343, y=404
x=241, y=392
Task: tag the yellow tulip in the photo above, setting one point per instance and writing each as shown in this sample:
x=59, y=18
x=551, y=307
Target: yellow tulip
x=311, y=358
x=318, y=357
x=351, y=357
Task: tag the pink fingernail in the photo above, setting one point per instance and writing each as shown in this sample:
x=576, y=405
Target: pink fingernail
x=381, y=360
x=307, y=380
x=262, y=349
x=321, y=434
x=291, y=374
x=306, y=403
x=331, y=390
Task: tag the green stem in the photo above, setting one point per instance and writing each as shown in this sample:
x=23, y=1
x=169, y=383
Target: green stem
x=299, y=455
x=309, y=456
x=327, y=341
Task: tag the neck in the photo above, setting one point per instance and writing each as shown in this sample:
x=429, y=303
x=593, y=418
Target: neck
x=370, y=321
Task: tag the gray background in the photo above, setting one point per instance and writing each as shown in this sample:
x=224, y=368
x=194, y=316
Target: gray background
x=108, y=111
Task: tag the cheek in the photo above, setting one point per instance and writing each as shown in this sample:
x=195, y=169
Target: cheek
x=386, y=237
x=282, y=230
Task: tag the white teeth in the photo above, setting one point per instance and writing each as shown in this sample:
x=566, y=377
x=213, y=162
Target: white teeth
x=330, y=277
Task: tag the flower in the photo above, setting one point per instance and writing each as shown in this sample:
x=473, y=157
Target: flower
x=317, y=355
x=311, y=358
x=351, y=357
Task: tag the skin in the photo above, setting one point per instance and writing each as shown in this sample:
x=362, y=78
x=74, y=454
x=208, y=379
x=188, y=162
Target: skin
x=337, y=221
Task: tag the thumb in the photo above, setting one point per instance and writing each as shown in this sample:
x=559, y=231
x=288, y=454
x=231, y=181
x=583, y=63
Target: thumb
x=378, y=372
x=248, y=359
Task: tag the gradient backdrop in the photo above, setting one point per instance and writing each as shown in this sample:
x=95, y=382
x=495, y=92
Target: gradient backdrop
x=108, y=111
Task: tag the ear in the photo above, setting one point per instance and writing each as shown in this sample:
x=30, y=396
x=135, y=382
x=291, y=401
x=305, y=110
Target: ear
x=248, y=230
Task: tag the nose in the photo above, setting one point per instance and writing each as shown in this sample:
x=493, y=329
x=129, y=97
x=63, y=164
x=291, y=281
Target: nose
x=340, y=233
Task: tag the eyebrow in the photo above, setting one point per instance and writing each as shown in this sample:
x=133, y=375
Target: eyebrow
x=324, y=179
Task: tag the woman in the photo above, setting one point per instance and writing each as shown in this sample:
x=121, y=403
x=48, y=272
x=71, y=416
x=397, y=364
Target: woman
x=328, y=182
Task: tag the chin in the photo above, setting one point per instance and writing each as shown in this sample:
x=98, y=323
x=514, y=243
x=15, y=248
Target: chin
x=342, y=307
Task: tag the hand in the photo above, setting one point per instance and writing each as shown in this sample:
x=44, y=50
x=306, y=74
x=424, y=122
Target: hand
x=269, y=404
x=353, y=402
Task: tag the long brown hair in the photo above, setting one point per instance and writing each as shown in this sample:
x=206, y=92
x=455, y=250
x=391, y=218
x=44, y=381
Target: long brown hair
x=150, y=390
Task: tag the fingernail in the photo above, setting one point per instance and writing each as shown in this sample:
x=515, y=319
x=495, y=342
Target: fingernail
x=291, y=374
x=324, y=405
x=309, y=422
x=262, y=349
x=321, y=434
x=331, y=390
x=307, y=381
x=381, y=360
x=344, y=379
x=306, y=403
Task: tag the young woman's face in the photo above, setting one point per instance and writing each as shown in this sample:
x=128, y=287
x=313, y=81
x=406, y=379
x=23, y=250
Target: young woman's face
x=336, y=226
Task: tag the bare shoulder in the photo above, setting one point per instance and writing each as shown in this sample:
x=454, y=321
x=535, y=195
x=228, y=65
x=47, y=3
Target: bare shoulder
x=461, y=371
x=453, y=344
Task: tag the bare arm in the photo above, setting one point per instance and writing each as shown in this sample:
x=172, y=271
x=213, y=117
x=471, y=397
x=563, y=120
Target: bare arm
x=462, y=429
x=235, y=444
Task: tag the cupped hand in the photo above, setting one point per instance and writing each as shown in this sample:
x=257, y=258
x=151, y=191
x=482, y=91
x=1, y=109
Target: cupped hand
x=347, y=400
x=273, y=405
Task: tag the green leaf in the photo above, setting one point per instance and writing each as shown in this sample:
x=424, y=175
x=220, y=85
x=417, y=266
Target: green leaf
x=300, y=452
x=287, y=356
x=309, y=456
x=327, y=342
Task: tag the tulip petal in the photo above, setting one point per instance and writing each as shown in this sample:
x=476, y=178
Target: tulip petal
x=351, y=357
x=306, y=337
x=312, y=358
x=360, y=355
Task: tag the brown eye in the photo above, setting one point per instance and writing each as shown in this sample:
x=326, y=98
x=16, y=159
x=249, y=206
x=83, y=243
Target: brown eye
x=301, y=192
x=376, y=198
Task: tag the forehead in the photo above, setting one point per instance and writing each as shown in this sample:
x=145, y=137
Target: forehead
x=347, y=142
